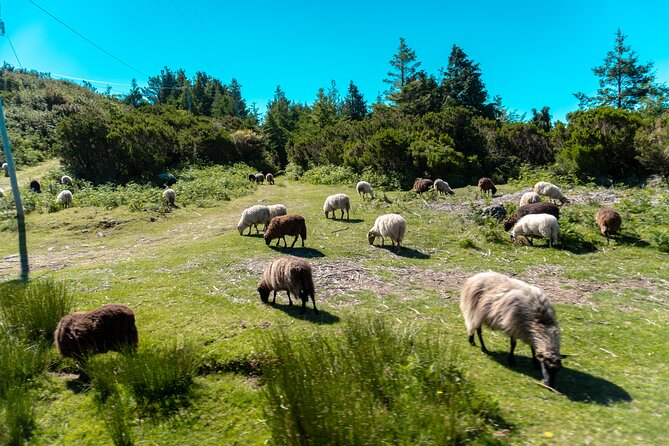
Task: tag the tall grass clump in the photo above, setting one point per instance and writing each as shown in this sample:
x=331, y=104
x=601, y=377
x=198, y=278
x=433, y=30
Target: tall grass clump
x=17, y=416
x=374, y=384
x=33, y=310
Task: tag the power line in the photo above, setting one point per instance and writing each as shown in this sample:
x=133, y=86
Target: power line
x=88, y=80
x=88, y=40
x=15, y=55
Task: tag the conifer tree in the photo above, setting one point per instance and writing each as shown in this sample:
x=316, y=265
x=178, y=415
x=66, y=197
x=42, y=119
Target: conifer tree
x=462, y=84
x=405, y=69
x=355, y=106
x=134, y=96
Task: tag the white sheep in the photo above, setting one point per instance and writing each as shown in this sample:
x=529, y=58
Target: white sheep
x=253, y=216
x=442, y=187
x=337, y=201
x=388, y=225
x=65, y=180
x=5, y=167
x=520, y=310
x=2, y=192
x=529, y=197
x=291, y=274
x=170, y=196
x=539, y=225
x=260, y=178
x=551, y=191
x=363, y=188
x=276, y=209
x=64, y=198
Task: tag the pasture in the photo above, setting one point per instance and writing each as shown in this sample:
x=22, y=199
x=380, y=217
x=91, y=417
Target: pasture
x=191, y=280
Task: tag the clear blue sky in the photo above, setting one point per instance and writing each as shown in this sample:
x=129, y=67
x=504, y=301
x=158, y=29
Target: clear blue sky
x=532, y=54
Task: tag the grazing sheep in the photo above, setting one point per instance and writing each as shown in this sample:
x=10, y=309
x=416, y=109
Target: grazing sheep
x=275, y=210
x=170, y=196
x=35, y=186
x=253, y=216
x=270, y=178
x=539, y=225
x=284, y=225
x=337, y=201
x=252, y=177
x=167, y=179
x=65, y=180
x=260, y=178
x=422, y=185
x=532, y=208
x=291, y=274
x=110, y=327
x=551, y=191
x=64, y=198
x=529, y=197
x=388, y=225
x=2, y=193
x=520, y=310
x=485, y=185
x=5, y=168
x=609, y=222
x=497, y=211
x=442, y=187
x=363, y=188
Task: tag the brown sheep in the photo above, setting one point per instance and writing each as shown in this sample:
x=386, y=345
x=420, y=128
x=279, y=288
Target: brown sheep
x=532, y=208
x=485, y=185
x=422, y=185
x=284, y=225
x=609, y=222
x=291, y=274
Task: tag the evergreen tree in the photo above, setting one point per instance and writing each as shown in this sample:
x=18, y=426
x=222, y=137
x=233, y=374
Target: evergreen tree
x=161, y=88
x=134, y=96
x=280, y=120
x=239, y=104
x=420, y=96
x=542, y=119
x=405, y=69
x=623, y=82
x=462, y=85
x=324, y=109
x=355, y=106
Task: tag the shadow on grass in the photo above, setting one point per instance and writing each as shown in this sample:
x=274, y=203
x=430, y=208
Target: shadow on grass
x=575, y=243
x=630, y=238
x=323, y=317
x=575, y=385
x=308, y=253
x=351, y=220
x=405, y=252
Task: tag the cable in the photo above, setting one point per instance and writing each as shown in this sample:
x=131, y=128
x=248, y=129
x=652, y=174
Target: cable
x=89, y=80
x=15, y=55
x=88, y=40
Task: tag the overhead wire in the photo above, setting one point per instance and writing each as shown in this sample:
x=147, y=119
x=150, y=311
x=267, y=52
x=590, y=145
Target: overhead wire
x=15, y=55
x=206, y=29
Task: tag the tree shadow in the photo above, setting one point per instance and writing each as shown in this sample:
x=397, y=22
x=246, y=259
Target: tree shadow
x=323, y=317
x=308, y=253
x=575, y=243
x=575, y=385
x=405, y=252
x=630, y=238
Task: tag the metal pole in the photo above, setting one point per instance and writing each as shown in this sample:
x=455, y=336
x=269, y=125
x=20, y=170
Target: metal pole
x=23, y=246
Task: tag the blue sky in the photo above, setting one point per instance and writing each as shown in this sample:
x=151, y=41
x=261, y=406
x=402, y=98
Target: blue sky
x=532, y=54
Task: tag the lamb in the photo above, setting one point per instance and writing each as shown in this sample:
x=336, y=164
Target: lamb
x=388, y=225
x=260, y=178
x=253, y=216
x=422, y=185
x=442, y=187
x=64, y=198
x=270, y=178
x=275, y=210
x=609, y=222
x=551, y=191
x=485, y=185
x=65, y=180
x=520, y=310
x=110, y=327
x=291, y=274
x=5, y=168
x=337, y=201
x=284, y=225
x=170, y=196
x=529, y=197
x=532, y=208
x=35, y=186
x=540, y=225
x=363, y=188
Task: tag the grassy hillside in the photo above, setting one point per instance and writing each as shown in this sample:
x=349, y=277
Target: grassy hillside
x=191, y=278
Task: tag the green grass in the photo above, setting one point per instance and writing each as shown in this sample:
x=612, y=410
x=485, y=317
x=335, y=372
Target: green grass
x=189, y=275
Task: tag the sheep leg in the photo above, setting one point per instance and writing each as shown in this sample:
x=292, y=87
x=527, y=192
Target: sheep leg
x=285, y=243
x=480, y=334
x=302, y=241
x=295, y=241
x=535, y=361
x=290, y=301
x=278, y=241
x=313, y=301
x=529, y=240
x=342, y=215
x=511, y=360
x=249, y=231
x=383, y=241
x=274, y=300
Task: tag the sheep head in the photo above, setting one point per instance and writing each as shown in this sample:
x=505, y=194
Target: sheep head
x=371, y=236
x=550, y=366
x=264, y=293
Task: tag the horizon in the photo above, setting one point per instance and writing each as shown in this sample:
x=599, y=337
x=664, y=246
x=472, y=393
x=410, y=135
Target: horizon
x=530, y=55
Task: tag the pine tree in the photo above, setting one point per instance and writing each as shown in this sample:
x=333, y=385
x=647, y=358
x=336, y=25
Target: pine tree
x=624, y=83
x=542, y=119
x=134, y=96
x=405, y=68
x=239, y=104
x=462, y=84
x=355, y=106
x=280, y=120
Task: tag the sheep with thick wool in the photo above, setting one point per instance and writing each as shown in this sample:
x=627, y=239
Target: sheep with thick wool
x=65, y=179
x=36, y=187
x=521, y=311
x=364, y=188
x=485, y=185
x=2, y=192
x=275, y=210
x=290, y=274
x=609, y=222
x=551, y=191
x=532, y=208
x=110, y=327
x=253, y=216
x=170, y=196
x=252, y=177
x=529, y=197
x=260, y=178
x=5, y=168
x=537, y=225
x=65, y=198
x=442, y=187
x=337, y=201
x=422, y=185
x=283, y=225
x=388, y=225
x=270, y=178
